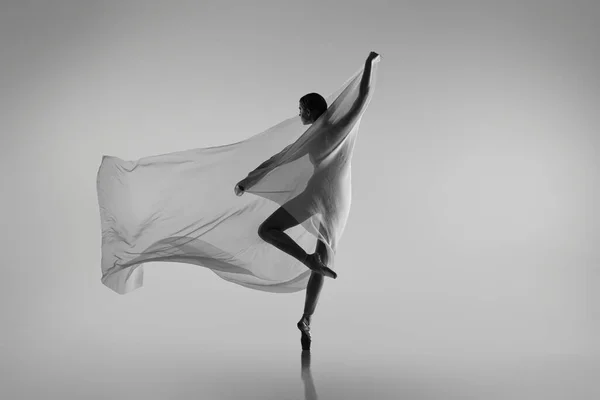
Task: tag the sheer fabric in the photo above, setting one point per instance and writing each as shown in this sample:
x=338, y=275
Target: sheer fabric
x=181, y=207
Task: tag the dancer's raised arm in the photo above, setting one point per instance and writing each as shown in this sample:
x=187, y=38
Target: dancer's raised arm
x=365, y=83
x=363, y=94
x=312, y=106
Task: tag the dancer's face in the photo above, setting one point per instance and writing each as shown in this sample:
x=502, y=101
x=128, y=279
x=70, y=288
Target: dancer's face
x=304, y=115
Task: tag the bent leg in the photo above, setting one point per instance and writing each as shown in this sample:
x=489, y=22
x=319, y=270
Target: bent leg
x=272, y=232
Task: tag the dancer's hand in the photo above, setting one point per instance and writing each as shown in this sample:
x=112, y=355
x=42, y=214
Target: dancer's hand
x=238, y=191
x=374, y=56
x=240, y=188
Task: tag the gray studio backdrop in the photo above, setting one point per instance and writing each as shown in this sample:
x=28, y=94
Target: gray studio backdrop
x=470, y=258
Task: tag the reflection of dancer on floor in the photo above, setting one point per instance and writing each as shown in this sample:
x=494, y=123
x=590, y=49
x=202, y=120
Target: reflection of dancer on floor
x=312, y=106
x=310, y=391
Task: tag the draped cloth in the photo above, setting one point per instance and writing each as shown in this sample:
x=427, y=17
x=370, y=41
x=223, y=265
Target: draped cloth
x=181, y=206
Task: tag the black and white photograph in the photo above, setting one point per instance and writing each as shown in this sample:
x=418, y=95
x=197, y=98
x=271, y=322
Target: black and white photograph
x=300, y=200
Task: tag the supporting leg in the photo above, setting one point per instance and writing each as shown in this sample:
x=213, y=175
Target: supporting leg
x=313, y=290
x=315, y=283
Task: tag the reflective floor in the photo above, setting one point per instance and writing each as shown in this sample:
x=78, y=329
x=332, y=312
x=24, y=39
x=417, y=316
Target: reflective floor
x=220, y=373
x=494, y=339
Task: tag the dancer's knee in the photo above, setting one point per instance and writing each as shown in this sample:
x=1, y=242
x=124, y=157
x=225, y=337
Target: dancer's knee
x=263, y=231
x=279, y=221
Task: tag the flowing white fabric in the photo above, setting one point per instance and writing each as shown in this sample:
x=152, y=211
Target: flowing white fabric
x=181, y=207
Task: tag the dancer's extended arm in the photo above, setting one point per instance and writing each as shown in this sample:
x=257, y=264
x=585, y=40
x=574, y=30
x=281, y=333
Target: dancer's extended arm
x=338, y=130
x=340, y=127
x=243, y=184
x=363, y=93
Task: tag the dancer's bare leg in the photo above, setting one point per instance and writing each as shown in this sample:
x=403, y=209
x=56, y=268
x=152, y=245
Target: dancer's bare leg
x=313, y=290
x=315, y=284
x=272, y=231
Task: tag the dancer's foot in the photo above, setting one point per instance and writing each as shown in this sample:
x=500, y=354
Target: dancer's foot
x=305, y=338
x=314, y=262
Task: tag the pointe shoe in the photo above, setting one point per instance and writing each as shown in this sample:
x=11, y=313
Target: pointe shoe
x=318, y=266
x=305, y=338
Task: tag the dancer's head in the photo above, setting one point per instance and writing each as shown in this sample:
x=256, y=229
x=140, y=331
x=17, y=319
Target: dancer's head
x=311, y=107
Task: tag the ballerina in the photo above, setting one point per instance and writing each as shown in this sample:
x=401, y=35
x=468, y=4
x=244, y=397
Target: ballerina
x=272, y=230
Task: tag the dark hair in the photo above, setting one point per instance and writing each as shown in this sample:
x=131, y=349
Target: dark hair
x=315, y=103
